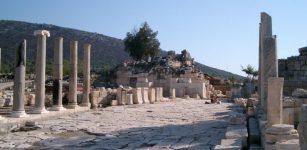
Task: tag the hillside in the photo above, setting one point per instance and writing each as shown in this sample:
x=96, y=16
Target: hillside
x=106, y=51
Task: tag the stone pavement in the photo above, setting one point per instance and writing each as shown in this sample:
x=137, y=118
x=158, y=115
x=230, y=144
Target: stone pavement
x=180, y=124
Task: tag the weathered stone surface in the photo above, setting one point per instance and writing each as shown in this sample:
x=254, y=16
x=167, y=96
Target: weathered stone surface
x=301, y=93
x=288, y=145
x=265, y=30
x=302, y=129
x=137, y=96
x=187, y=124
x=274, y=101
x=129, y=99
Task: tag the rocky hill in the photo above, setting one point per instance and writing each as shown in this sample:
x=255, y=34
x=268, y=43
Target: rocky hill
x=106, y=51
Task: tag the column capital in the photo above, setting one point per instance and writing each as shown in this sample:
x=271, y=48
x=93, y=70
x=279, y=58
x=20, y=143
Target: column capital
x=42, y=32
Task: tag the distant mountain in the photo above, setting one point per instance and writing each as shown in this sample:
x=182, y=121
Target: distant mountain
x=217, y=72
x=106, y=51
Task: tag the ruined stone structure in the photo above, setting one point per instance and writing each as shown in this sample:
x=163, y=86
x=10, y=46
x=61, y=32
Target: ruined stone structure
x=19, y=82
x=172, y=72
x=267, y=57
x=294, y=70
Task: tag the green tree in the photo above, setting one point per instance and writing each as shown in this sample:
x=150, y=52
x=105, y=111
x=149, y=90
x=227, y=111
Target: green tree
x=250, y=71
x=142, y=43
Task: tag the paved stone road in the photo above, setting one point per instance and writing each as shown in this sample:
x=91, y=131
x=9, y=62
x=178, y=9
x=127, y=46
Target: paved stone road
x=183, y=124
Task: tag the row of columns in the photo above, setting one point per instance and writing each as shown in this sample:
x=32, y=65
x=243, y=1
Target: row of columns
x=40, y=70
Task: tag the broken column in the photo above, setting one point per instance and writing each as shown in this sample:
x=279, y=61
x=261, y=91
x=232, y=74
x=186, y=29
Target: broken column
x=270, y=68
x=152, y=95
x=18, y=109
x=145, y=95
x=57, y=75
x=40, y=71
x=72, y=99
x=274, y=104
x=137, y=96
x=302, y=127
x=86, y=75
x=172, y=93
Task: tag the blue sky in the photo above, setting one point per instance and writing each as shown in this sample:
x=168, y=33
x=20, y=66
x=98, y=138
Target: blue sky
x=219, y=33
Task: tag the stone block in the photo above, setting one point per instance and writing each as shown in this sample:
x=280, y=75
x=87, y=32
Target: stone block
x=172, y=93
x=229, y=144
x=137, y=96
x=114, y=102
x=152, y=95
x=272, y=139
x=237, y=132
x=129, y=99
x=288, y=145
x=159, y=94
x=145, y=95
x=288, y=116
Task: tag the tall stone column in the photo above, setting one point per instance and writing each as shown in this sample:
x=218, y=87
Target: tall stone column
x=18, y=109
x=86, y=75
x=57, y=75
x=274, y=110
x=265, y=30
x=40, y=71
x=72, y=99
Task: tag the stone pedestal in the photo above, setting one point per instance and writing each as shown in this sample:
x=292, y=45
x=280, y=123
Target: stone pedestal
x=159, y=94
x=18, y=109
x=86, y=75
x=40, y=71
x=303, y=127
x=119, y=96
x=72, y=99
x=145, y=95
x=129, y=99
x=152, y=95
x=57, y=75
x=279, y=133
x=274, y=103
x=172, y=93
x=137, y=96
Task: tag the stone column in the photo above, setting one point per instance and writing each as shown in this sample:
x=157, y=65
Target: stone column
x=270, y=68
x=72, y=99
x=86, y=75
x=19, y=82
x=40, y=71
x=302, y=127
x=57, y=75
x=274, y=110
x=265, y=31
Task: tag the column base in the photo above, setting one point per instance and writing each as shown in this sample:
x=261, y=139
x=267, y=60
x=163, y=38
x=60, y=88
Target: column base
x=56, y=108
x=85, y=104
x=39, y=111
x=18, y=114
x=72, y=106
